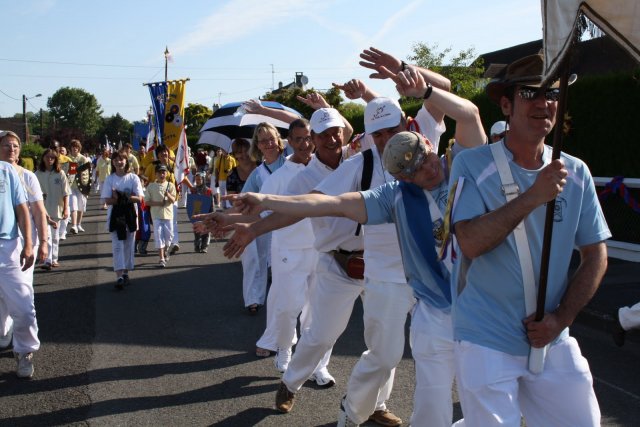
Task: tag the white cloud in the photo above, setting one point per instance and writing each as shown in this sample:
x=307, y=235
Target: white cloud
x=238, y=19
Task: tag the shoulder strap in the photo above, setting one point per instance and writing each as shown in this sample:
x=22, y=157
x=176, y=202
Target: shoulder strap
x=367, y=174
x=511, y=191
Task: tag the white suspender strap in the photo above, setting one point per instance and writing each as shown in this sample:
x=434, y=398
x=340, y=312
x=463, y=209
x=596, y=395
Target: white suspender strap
x=511, y=191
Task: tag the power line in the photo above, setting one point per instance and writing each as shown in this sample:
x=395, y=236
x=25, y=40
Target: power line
x=9, y=96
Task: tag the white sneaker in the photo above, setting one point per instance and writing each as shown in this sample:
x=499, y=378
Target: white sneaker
x=323, y=378
x=80, y=228
x=63, y=236
x=73, y=229
x=25, y=365
x=5, y=341
x=282, y=359
x=343, y=420
x=162, y=263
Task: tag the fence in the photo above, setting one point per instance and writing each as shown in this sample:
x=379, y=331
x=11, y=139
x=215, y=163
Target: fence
x=619, y=199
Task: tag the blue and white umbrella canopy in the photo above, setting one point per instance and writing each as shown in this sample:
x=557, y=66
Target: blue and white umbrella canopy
x=230, y=121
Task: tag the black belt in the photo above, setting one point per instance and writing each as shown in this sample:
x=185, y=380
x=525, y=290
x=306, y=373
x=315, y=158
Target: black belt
x=343, y=252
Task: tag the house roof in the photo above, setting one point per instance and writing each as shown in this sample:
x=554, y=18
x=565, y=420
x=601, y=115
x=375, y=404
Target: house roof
x=591, y=57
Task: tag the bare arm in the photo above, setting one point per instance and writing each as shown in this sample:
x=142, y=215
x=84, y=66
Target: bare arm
x=40, y=218
x=289, y=210
x=255, y=107
x=469, y=130
x=24, y=223
x=483, y=233
x=581, y=288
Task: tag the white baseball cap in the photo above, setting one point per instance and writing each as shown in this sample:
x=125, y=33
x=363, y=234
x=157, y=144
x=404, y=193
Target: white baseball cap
x=498, y=128
x=325, y=118
x=381, y=113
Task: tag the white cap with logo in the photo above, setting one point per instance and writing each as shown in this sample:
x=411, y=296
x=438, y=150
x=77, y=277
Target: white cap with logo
x=325, y=118
x=381, y=113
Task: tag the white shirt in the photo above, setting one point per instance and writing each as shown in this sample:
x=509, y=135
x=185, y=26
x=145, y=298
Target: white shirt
x=298, y=235
x=330, y=232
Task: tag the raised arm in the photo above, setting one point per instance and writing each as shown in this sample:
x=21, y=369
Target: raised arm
x=254, y=106
x=469, y=130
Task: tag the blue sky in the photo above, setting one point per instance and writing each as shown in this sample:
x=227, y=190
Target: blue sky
x=232, y=50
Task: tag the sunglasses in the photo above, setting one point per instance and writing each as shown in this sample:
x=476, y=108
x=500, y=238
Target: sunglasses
x=529, y=93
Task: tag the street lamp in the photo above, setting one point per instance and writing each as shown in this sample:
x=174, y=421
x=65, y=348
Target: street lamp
x=24, y=115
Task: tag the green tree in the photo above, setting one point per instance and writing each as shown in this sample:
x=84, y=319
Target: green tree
x=195, y=116
x=464, y=70
x=76, y=109
x=117, y=129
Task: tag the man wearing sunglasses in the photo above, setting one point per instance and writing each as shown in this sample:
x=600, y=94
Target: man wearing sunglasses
x=498, y=219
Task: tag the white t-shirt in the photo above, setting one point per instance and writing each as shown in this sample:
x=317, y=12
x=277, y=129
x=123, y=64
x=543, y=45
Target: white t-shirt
x=382, y=258
x=330, y=232
x=34, y=194
x=300, y=234
x=128, y=183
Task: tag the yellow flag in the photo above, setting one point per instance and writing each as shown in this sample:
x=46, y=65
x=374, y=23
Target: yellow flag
x=174, y=113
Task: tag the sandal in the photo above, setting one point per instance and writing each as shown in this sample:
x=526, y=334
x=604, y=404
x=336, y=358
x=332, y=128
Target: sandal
x=253, y=309
x=262, y=352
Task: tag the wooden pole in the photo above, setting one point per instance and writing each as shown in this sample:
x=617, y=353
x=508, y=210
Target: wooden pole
x=551, y=206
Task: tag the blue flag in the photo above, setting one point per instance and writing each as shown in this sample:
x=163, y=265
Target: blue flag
x=158, y=92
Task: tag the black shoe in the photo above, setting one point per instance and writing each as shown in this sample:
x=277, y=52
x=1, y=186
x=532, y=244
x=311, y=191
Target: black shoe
x=120, y=283
x=617, y=332
x=125, y=277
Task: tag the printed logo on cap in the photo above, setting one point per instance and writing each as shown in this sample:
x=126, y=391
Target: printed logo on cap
x=380, y=113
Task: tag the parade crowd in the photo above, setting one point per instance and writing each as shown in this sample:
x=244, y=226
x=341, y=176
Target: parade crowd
x=453, y=241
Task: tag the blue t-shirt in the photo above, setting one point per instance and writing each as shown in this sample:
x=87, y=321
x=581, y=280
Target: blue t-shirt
x=259, y=174
x=384, y=204
x=489, y=310
x=11, y=194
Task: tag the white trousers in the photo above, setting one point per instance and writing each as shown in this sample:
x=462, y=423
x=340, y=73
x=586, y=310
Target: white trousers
x=255, y=270
x=292, y=273
x=331, y=305
x=386, y=307
x=53, y=242
x=77, y=201
x=629, y=317
x=162, y=232
x=496, y=388
x=123, y=251
x=16, y=298
x=432, y=349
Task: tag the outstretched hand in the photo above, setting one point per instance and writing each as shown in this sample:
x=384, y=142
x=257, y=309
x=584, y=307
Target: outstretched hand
x=246, y=203
x=375, y=58
x=213, y=223
x=240, y=239
x=314, y=100
x=353, y=89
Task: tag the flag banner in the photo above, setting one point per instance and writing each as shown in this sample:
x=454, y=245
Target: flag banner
x=173, y=113
x=140, y=131
x=158, y=92
x=181, y=168
x=198, y=204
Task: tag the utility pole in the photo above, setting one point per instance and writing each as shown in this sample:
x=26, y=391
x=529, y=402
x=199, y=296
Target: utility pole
x=41, y=124
x=166, y=60
x=24, y=116
x=273, y=73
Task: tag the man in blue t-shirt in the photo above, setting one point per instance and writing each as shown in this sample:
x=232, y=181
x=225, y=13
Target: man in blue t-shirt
x=16, y=256
x=498, y=218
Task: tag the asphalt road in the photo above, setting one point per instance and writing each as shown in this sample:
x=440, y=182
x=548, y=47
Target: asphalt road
x=176, y=348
